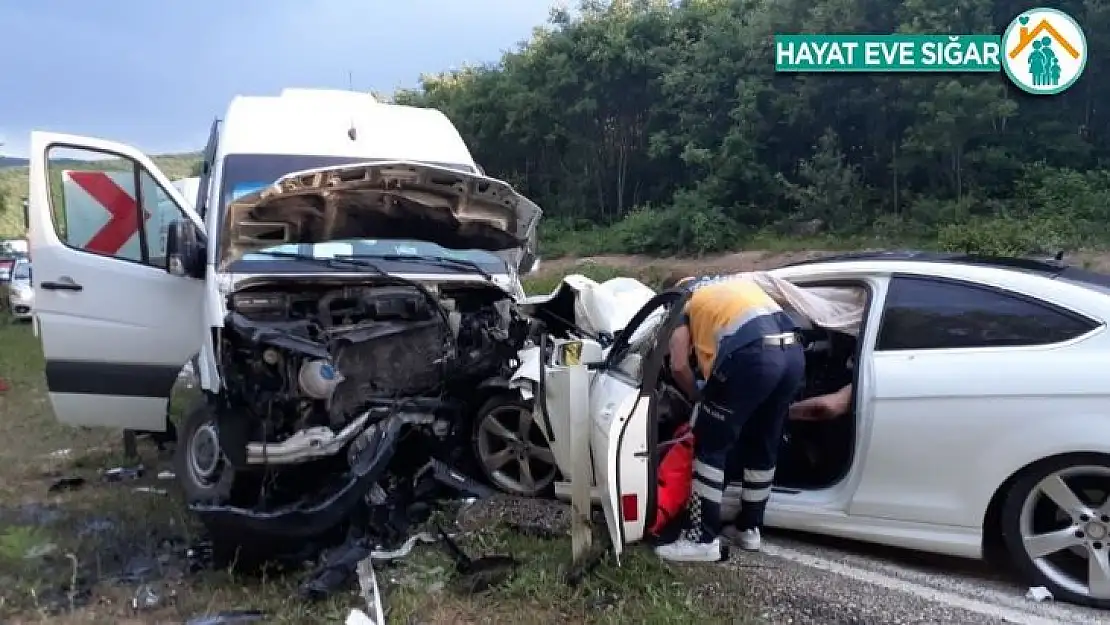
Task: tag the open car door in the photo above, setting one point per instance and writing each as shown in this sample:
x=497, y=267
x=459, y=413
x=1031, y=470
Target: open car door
x=116, y=327
x=622, y=409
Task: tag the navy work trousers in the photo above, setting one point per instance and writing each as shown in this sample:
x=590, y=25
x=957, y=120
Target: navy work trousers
x=738, y=430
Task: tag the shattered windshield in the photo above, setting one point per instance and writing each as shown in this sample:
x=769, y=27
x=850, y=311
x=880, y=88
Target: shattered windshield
x=246, y=173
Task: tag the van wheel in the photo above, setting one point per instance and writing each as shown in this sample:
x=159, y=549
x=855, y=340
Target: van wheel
x=511, y=450
x=1056, y=527
x=202, y=469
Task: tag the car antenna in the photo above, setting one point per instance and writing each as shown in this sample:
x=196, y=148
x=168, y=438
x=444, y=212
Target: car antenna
x=352, y=132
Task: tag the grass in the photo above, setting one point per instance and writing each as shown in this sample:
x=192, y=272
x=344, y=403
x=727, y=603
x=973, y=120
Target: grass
x=62, y=554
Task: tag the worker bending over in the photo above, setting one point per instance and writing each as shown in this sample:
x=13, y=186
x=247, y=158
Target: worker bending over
x=747, y=353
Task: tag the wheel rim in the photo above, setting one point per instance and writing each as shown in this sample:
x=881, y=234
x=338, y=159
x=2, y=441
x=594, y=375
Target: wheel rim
x=205, y=455
x=513, y=451
x=1065, y=529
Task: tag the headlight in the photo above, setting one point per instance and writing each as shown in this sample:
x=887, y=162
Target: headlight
x=22, y=292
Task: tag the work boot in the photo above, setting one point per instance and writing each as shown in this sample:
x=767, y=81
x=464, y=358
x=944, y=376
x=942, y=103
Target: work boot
x=684, y=550
x=748, y=540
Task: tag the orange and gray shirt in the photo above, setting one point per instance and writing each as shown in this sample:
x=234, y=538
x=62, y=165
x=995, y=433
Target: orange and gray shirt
x=728, y=313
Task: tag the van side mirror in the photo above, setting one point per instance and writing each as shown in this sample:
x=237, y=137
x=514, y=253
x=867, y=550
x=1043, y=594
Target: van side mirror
x=185, y=252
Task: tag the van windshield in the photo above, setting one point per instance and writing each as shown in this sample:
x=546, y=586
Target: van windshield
x=22, y=271
x=246, y=173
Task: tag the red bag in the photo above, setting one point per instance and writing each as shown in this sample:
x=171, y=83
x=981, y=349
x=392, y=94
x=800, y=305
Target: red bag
x=675, y=479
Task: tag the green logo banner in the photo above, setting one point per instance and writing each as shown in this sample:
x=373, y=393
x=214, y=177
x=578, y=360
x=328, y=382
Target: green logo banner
x=888, y=53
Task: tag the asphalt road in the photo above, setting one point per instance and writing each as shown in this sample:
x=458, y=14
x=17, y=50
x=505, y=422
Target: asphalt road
x=801, y=579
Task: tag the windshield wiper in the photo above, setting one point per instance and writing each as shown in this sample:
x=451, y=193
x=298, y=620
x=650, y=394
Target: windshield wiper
x=442, y=261
x=328, y=261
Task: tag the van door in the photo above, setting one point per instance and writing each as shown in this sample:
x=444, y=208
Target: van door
x=622, y=407
x=116, y=328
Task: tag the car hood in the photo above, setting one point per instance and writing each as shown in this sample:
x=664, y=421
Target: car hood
x=393, y=199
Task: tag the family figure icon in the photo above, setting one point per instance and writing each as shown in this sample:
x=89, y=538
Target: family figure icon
x=1043, y=64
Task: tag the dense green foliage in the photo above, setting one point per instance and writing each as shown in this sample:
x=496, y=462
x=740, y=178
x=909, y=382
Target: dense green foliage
x=13, y=184
x=648, y=126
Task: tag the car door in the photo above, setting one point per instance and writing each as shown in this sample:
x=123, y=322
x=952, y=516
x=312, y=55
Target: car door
x=960, y=373
x=622, y=410
x=116, y=328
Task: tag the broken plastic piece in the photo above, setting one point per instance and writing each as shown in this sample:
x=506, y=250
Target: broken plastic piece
x=145, y=598
x=151, y=490
x=66, y=483
x=1039, y=594
x=449, y=477
x=358, y=617
x=405, y=548
x=230, y=617
x=371, y=594
x=119, y=474
x=477, y=575
x=336, y=571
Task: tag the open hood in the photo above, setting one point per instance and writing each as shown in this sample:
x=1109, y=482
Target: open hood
x=391, y=199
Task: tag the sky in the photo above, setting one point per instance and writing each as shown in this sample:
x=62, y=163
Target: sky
x=154, y=74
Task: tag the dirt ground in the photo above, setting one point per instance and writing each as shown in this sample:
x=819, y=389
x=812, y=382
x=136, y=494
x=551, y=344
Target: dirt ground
x=82, y=544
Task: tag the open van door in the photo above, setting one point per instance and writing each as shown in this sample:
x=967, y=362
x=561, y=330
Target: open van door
x=622, y=408
x=116, y=326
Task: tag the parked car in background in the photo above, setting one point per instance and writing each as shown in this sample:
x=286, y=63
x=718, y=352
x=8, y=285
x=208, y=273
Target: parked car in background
x=10, y=250
x=21, y=295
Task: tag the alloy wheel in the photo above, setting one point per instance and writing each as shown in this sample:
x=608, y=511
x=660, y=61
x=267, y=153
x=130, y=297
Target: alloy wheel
x=1065, y=529
x=513, y=451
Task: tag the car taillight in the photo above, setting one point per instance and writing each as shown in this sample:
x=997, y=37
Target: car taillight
x=630, y=508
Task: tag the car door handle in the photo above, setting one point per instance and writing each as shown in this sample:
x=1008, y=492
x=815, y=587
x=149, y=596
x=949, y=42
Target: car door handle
x=65, y=283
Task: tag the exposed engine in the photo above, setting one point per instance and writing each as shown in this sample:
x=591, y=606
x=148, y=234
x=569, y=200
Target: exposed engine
x=308, y=365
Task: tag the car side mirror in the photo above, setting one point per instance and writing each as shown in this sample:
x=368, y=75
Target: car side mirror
x=185, y=252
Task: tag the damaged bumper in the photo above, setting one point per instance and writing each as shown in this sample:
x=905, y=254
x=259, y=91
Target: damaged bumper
x=369, y=460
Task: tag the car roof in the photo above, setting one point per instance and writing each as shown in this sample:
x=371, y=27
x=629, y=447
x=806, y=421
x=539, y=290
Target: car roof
x=1047, y=268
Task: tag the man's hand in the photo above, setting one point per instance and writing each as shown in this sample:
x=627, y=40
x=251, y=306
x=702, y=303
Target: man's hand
x=823, y=407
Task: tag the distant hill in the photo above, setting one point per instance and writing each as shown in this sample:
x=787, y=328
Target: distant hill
x=13, y=182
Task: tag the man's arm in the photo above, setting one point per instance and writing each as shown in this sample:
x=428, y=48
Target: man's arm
x=823, y=407
x=680, y=360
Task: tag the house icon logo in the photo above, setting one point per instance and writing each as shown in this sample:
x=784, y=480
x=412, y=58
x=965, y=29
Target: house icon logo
x=1044, y=51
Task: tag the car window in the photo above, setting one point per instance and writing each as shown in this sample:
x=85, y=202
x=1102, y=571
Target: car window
x=927, y=313
x=22, y=271
x=108, y=205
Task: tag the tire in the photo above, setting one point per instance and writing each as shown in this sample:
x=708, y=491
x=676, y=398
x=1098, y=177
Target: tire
x=1078, y=533
x=202, y=478
x=492, y=444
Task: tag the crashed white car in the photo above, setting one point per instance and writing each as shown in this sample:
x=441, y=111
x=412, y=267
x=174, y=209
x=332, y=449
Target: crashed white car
x=346, y=276
x=980, y=425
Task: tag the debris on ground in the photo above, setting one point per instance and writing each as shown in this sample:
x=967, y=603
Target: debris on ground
x=151, y=490
x=358, y=617
x=66, y=483
x=120, y=474
x=1039, y=594
x=479, y=574
x=528, y=516
x=229, y=617
x=146, y=598
x=371, y=595
x=167, y=476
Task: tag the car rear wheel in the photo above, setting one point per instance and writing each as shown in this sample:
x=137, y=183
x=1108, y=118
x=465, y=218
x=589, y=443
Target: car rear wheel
x=1056, y=527
x=511, y=450
x=202, y=469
